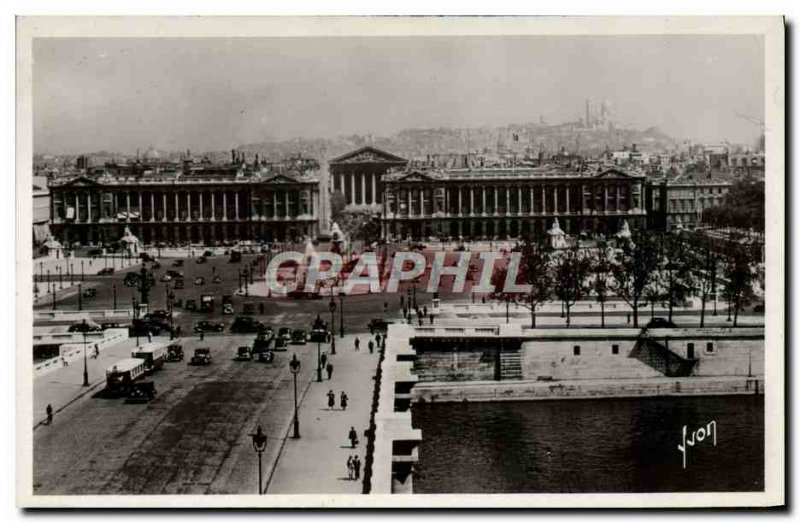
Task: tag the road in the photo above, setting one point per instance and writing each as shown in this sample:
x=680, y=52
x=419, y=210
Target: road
x=191, y=439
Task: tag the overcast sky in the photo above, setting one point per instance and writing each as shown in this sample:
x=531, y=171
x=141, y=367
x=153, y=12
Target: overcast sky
x=211, y=94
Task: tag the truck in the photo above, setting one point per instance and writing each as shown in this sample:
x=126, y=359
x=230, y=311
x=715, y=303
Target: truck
x=153, y=355
x=207, y=302
x=121, y=376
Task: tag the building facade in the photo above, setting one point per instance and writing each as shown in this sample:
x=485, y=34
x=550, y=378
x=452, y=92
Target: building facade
x=681, y=202
x=209, y=208
x=508, y=202
x=358, y=175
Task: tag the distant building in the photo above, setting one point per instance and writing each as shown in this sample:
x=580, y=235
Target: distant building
x=509, y=202
x=358, y=175
x=681, y=200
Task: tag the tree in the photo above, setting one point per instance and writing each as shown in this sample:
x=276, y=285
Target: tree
x=536, y=270
x=571, y=271
x=677, y=273
x=705, y=260
x=739, y=271
x=600, y=285
x=634, y=267
x=338, y=203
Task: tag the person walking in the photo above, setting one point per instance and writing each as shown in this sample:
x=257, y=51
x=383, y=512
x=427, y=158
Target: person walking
x=357, y=468
x=353, y=437
x=378, y=339
x=357, y=343
x=323, y=360
x=96, y=351
x=49, y=411
x=350, y=468
x=331, y=400
x=343, y=400
x=371, y=346
x=385, y=307
x=329, y=370
x=424, y=310
x=64, y=362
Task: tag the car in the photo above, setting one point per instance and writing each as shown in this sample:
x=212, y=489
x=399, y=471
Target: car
x=158, y=314
x=141, y=392
x=244, y=353
x=131, y=279
x=147, y=325
x=199, y=281
x=107, y=271
x=85, y=326
x=660, y=323
x=209, y=326
x=299, y=337
x=90, y=293
x=94, y=253
x=266, y=356
x=201, y=356
x=190, y=305
x=285, y=333
x=166, y=277
x=174, y=352
x=379, y=325
x=208, y=254
x=177, y=263
x=174, y=274
x=146, y=257
x=319, y=335
x=303, y=295
x=156, y=265
x=112, y=325
x=246, y=324
x=201, y=259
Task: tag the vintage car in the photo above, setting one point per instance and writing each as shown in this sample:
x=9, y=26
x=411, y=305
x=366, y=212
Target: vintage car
x=90, y=293
x=299, y=337
x=201, y=356
x=209, y=326
x=107, y=271
x=174, y=352
x=141, y=392
x=266, y=356
x=246, y=324
x=244, y=353
x=177, y=263
x=319, y=334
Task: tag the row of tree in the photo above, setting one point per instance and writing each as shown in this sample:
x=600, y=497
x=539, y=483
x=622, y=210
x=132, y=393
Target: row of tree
x=743, y=207
x=650, y=268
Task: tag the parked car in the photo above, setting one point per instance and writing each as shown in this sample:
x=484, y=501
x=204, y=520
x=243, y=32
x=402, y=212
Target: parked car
x=379, y=325
x=244, y=353
x=190, y=305
x=201, y=356
x=246, y=324
x=174, y=274
x=266, y=356
x=112, y=325
x=141, y=392
x=201, y=259
x=107, y=271
x=158, y=314
x=285, y=334
x=90, y=293
x=85, y=326
x=660, y=323
x=208, y=254
x=145, y=326
x=319, y=335
x=299, y=337
x=131, y=279
x=209, y=326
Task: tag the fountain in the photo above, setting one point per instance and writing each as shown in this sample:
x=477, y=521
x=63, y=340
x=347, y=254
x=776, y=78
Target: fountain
x=129, y=242
x=338, y=242
x=558, y=240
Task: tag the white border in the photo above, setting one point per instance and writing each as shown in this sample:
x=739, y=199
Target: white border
x=771, y=28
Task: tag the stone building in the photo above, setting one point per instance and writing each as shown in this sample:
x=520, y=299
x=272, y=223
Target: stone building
x=358, y=176
x=509, y=202
x=218, y=204
x=680, y=201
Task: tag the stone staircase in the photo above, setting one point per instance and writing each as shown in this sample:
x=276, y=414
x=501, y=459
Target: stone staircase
x=510, y=365
x=659, y=357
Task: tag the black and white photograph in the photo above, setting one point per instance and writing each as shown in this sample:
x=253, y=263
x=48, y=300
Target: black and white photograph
x=383, y=262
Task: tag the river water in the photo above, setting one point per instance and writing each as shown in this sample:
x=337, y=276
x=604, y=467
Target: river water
x=608, y=445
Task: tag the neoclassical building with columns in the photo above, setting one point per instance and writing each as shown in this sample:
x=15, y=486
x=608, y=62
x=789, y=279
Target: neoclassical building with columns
x=358, y=175
x=501, y=203
x=174, y=208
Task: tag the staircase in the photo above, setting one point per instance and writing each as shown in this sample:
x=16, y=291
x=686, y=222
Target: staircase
x=510, y=365
x=656, y=355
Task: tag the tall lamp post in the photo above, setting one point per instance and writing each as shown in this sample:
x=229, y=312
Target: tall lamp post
x=114, y=294
x=332, y=307
x=319, y=362
x=85, y=365
x=341, y=315
x=259, y=444
x=82, y=273
x=294, y=366
x=80, y=297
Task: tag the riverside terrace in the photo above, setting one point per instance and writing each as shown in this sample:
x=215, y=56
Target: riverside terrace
x=500, y=362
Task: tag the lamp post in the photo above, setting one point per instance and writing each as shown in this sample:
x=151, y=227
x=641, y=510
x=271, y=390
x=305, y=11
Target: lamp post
x=508, y=302
x=82, y=273
x=85, y=365
x=259, y=444
x=332, y=307
x=169, y=296
x=341, y=315
x=135, y=316
x=319, y=362
x=80, y=297
x=71, y=274
x=114, y=294
x=294, y=367
x=48, y=281
x=60, y=281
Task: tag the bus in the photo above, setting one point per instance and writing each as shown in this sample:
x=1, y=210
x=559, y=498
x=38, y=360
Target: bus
x=121, y=375
x=153, y=355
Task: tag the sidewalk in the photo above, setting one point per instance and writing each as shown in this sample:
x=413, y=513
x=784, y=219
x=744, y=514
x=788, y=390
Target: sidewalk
x=317, y=462
x=61, y=387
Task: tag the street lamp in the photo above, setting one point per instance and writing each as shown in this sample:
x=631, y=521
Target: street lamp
x=80, y=297
x=319, y=362
x=114, y=293
x=60, y=281
x=294, y=367
x=71, y=274
x=332, y=307
x=82, y=278
x=259, y=444
x=341, y=315
x=85, y=366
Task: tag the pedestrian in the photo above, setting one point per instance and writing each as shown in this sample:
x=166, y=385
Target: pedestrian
x=178, y=331
x=96, y=351
x=431, y=318
x=64, y=362
x=378, y=339
x=629, y=318
x=329, y=370
x=350, y=468
x=323, y=360
x=331, y=400
x=424, y=310
x=371, y=346
x=343, y=400
x=357, y=468
x=353, y=437
x=149, y=336
x=357, y=343
x=49, y=411
x=385, y=307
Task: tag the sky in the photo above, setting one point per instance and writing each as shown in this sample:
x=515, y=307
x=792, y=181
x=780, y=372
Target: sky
x=120, y=94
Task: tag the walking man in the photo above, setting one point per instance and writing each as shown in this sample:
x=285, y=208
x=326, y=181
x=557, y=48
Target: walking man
x=353, y=437
x=329, y=370
x=357, y=343
x=323, y=360
x=343, y=400
x=350, y=468
x=331, y=399
x=371, y=346
x=357, y=468
x=385, y=307
x=49, y=411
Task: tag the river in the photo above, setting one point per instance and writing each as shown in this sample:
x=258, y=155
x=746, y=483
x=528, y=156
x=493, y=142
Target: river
x=608, y=445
